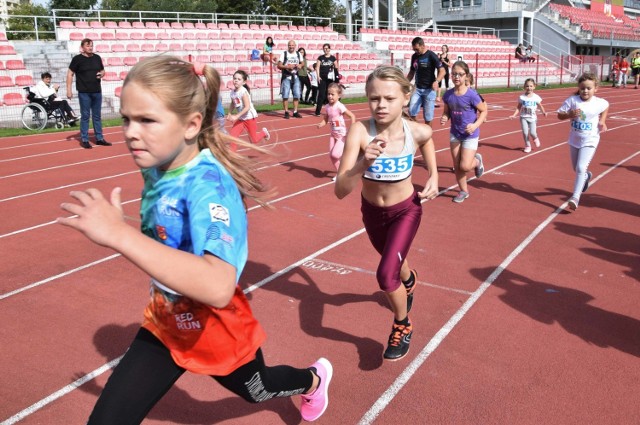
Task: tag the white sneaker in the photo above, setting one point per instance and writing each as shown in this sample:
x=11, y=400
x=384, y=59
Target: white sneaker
x=573, y=204
x=527, y=149
x=267, y=136
x=537, y=142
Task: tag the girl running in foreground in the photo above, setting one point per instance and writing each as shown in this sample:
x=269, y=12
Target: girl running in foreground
x=467, y=111
x=379, y=152
x=588, y=115
x=193, y=245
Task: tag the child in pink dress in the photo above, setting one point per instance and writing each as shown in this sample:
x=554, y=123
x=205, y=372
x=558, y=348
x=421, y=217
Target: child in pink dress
x=334, y=114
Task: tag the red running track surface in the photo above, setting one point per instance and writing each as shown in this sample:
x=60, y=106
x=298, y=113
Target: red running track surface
x=525, y=313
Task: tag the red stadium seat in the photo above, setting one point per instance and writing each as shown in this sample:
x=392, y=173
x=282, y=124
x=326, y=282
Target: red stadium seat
x=15, y=64
x=6, y=81
x=24, y=80
x=13, y=99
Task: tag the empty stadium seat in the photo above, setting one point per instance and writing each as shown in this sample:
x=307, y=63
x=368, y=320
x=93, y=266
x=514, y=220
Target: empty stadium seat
x=130, y=60
x=24, y=80
x=110, y=76
x=13, y=99
x=6, y=81
x=114, y=61
x=15, y=64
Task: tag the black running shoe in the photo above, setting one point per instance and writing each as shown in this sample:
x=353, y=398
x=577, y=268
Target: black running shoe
x=410, y=289
x=399, y=341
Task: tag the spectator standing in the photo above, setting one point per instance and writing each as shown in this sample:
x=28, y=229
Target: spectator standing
x=327, y=68
x=623, y=71
x=313, y=78
x=424, y=64
x=444, y=58
x=635, y=69
x=290, y=63
x=45, y=90
x=88, y=70
x=303, y=75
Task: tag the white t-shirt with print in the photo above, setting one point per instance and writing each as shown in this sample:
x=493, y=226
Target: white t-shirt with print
x=529, y=106
x=236, y=98
x=584, y=129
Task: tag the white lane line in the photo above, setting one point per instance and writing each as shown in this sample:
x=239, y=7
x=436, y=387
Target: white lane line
x=437, y=339
x=61, y=392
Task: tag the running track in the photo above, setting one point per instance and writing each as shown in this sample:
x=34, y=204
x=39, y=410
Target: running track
x=525, y=313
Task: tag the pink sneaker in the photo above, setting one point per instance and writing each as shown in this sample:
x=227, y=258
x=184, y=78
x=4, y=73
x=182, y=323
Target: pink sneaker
x=314, y=404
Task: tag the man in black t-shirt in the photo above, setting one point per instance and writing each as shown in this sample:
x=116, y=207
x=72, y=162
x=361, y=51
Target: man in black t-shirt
x=424, y=64
x=88, y=69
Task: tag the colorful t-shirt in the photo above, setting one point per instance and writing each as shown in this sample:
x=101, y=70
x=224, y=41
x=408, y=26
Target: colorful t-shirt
x=197, y=208
x=463, y=110
x=529, y=106
x=336, y=119
x=584, y=129
x=236, y=98
x=392, y=168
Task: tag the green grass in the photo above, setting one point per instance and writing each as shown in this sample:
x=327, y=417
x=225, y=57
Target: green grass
x=116, y=122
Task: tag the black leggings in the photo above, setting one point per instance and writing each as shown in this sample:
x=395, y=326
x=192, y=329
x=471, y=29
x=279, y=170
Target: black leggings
x=305, y=82
x=147, y=371
x=445, y=78
x=322, y=94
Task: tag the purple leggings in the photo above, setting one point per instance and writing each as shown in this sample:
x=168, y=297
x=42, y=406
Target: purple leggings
x=391, y=231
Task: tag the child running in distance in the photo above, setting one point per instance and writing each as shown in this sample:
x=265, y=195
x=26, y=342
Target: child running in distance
x=379, y=151
x=467, y=111
x=245, y=117
x=528, y=105
x=588, y=115
x=193, y=245
x=334, y=113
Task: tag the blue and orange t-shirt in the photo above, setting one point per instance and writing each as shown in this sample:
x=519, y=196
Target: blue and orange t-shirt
x=198, y=208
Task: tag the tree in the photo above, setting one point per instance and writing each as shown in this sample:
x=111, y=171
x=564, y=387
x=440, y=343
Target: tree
x=81, y=8
x=16, y=25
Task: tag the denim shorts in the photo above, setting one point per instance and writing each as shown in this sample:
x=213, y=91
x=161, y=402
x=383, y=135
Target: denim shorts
x=471, y=143
x=285, y=87
x=425, y=98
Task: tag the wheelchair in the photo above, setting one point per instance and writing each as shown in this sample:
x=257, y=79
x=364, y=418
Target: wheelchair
x=37, y=113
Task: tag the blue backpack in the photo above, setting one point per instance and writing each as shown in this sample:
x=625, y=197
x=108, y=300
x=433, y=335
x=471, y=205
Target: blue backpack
x=255, y=55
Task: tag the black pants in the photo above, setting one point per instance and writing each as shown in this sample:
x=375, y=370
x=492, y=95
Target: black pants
x=64, y=105
x=445, y=79
x=323, y=85
x=305, y=82
x=147, y=371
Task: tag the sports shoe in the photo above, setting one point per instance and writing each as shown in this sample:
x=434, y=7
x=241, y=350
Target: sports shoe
x=296, y=114
x=286, y=115
x=527, y=149
x=480, y=167
x=267, y=136
x=586, y=182
x=399, y=341
x=536, y=142
x=573, y=204
x=410, y=289
x=102, y=142
x=460, y=197
x=86, y=144
x=314, y=404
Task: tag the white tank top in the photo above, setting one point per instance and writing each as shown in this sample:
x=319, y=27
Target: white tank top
x=392, y=168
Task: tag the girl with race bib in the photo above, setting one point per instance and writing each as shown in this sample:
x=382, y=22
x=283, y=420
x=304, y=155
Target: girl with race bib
x=588, y=115
x=527, y=107
x=379, y=152
x=193, y=244
x=334, y=113
x=246, y=116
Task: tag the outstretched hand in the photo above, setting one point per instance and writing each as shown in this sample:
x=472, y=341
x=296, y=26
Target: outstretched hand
x=99, y=219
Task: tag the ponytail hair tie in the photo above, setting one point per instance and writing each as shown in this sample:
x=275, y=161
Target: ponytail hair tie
x=198, y=68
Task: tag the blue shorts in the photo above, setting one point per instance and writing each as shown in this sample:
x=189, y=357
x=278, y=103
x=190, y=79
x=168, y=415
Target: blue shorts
x=285, y=87
x=425, y=98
